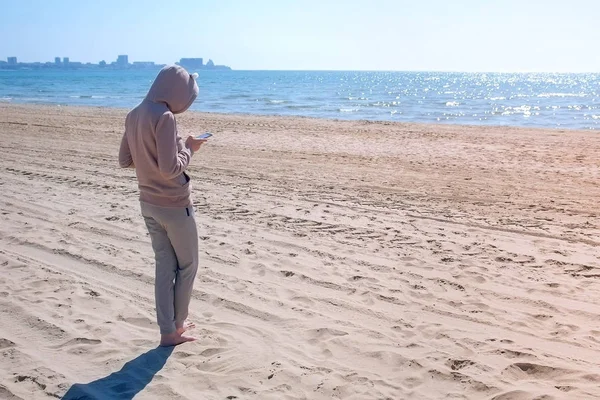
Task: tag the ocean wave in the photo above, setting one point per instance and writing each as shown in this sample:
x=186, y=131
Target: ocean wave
x=299, y=107
x=525, y=110
x=311, y=98
x=276, y=101
x=36, y=99
x=348, y=110
x=452, y=104
x=236, y=96
x=87, y=96
x=457, y=114
x=547, y=95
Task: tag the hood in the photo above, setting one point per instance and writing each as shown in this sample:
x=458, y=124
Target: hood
x=175, y=87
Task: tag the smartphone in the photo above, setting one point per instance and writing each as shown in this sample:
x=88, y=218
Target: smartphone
x=203, y=136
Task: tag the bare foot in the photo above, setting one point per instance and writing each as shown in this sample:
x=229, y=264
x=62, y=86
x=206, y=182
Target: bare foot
x=173, y=339
x=187, y=325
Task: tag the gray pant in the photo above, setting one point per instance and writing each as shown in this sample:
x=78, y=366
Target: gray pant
x=175, y=242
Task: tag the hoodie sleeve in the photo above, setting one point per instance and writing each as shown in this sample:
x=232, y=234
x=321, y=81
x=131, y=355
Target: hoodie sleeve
x=125, y=159
x=171, y=161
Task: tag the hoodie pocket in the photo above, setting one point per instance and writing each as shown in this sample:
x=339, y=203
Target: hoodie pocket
x=183, y=179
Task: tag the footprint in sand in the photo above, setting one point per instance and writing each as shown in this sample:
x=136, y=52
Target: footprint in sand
x=7, y=394
x=5, y=343
x=258, y=269
x=304, y=300
x=515, y=395
x=78, y=341
x=456, y=365
x=141, y=322
x=528, y=371
x=324, y=334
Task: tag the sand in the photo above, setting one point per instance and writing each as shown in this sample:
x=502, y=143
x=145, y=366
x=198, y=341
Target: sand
x=339, y=260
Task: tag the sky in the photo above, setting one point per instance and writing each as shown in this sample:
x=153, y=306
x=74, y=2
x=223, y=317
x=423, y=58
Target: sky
x=418, y=35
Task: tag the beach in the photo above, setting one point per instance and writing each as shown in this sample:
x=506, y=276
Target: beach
x=338, y=259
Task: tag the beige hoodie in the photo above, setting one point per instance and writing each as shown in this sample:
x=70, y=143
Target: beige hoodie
x=151, y=144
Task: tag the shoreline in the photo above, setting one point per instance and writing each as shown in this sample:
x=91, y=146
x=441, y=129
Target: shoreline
x=342, y=120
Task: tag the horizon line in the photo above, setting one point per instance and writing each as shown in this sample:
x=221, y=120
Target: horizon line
x=422, y=70
x=366, y=70
x=532, y=71
x=158, y=64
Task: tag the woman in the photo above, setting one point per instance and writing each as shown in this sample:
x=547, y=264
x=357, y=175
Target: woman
x=153, y=147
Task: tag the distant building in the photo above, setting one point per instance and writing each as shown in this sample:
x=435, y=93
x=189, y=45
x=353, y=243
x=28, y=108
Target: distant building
x=143, y=64
x=211, y=65
x=198, y=64
x=123, y=60
x=192, y=63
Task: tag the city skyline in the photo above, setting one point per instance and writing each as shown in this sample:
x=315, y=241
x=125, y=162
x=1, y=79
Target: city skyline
x=122, y=62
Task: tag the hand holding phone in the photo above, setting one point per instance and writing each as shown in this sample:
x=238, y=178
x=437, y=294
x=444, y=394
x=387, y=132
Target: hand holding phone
x=203, y=136
x=194, y=142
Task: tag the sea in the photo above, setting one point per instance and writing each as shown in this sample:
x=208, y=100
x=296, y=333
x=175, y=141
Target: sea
x=544, y=100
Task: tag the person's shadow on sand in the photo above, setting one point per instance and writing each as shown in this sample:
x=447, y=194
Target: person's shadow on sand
x=126, y=383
